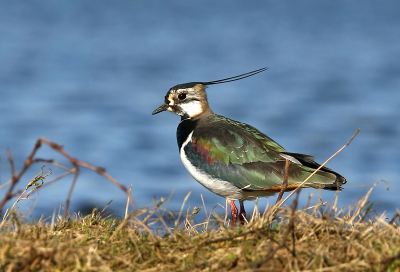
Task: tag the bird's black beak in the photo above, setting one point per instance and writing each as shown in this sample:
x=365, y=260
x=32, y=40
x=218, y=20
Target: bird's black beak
x=161, y=108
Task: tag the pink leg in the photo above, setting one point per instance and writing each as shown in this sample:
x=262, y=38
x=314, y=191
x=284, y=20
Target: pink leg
x=242, y=216
x=234, y=212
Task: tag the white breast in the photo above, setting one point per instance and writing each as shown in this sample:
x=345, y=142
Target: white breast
x=215, y=185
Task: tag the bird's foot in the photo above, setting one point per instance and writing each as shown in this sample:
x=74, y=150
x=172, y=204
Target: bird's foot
x=242, y=216
x=234, y=213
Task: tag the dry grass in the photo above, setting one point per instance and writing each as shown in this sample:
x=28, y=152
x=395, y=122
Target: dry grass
x=318, y=238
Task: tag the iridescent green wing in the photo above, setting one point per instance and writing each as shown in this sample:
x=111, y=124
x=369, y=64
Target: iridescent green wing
x=230, y=141
x=242, y=155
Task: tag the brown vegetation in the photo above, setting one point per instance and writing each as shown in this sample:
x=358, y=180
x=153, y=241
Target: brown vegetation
x=318, y=238
x=314, y=239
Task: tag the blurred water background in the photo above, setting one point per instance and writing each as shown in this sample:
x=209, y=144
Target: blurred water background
x=88, y=74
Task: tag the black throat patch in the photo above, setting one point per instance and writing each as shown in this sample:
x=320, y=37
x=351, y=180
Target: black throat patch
x=184, y=129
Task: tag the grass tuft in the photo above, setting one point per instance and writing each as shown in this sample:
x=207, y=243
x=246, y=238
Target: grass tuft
x=311, y=239
x=322, y=237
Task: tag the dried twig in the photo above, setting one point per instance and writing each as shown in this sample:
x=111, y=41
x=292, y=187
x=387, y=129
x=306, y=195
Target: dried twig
x=397, y=215
x=316, y=170
x=285, y=180
x=75, y=170
x=37, y=181
x=127, y=202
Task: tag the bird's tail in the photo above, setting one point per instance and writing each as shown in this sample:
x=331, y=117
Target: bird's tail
x=308, y=161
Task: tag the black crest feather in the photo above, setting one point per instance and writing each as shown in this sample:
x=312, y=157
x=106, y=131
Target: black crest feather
x=239, y=77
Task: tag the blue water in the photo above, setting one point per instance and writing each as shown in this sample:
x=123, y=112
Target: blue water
x=87, y=75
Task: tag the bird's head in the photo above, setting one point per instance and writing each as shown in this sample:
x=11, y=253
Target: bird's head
x=189, y=100
x=186, y=100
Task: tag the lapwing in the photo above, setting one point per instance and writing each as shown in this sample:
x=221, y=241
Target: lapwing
x=233, y=159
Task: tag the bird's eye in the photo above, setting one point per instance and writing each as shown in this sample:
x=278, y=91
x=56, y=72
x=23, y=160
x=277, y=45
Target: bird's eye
x=181, y=96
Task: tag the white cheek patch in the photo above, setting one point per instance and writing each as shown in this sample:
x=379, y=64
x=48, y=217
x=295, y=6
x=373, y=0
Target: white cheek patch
x=192, y=108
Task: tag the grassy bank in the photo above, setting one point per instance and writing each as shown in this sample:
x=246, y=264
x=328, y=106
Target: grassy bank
x=319, y=238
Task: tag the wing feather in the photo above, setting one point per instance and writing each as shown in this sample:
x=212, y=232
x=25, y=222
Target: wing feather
x=244, y=156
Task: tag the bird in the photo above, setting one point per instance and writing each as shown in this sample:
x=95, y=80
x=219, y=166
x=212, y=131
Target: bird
x=235, y=160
